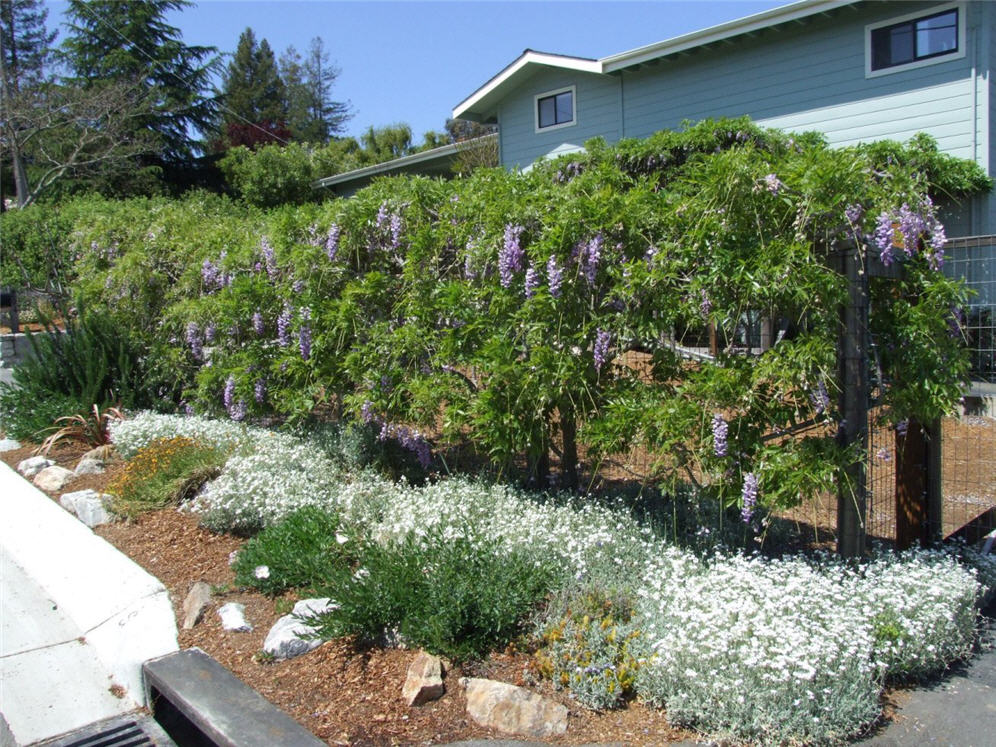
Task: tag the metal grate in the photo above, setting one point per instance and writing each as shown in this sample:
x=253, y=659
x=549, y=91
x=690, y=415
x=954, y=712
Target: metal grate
x=118, y=732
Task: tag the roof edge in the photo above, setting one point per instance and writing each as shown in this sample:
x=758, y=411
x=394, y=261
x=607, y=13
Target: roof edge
x=397, y=163
x=765, y=19
x=528, y=57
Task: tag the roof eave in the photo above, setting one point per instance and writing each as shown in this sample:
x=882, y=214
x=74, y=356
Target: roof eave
x=479, y=105
x=756, y=22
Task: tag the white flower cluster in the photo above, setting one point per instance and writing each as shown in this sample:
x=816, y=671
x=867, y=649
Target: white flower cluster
x=788, y=650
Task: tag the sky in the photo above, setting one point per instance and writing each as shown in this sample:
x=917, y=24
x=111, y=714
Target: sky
x=414, y=61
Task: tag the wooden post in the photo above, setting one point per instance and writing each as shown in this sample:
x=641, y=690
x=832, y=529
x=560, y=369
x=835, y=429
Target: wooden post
x=911, y=486
x=935, y=492
x=852, y=372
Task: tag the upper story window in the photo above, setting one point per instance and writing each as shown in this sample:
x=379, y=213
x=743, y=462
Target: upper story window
x=555, y=109
x=916, y=40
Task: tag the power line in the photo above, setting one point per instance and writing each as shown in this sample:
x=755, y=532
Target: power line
x=150, y=58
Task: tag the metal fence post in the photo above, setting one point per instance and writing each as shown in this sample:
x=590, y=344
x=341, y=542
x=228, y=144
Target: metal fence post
x=852, y=372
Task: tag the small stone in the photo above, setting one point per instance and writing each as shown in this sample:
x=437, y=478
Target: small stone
x=290, y=636
x=53, y=478
x=89, y=506
x=89, y=467
x=197, y=601
x=9, y=444
x=424, y=682
x=99, y=454
x=33, y=465
x=233, y=617
x=513, y=710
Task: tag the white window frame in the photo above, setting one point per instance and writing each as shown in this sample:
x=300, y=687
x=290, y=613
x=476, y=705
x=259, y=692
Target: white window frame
x=923, y=13
x=547, y=94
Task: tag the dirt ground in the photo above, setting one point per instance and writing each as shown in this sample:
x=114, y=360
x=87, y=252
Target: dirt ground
x=343, y=693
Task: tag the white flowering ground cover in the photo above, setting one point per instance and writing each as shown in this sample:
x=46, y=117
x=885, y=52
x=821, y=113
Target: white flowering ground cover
x=793, y=650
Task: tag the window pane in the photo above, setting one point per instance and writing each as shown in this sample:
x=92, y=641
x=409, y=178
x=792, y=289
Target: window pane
x=547, y=112
x=937, y=35
x=565, y=107
x=901, y=44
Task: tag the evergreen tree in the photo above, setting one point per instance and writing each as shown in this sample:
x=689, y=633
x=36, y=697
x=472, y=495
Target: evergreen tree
x=312, y=116
x=131, y=42
x=254, y=97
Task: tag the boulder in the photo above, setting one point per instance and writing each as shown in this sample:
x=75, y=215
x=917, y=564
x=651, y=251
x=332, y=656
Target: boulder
x=89, y=506
x=89, y=467
x=33, y=465
x=9, y=444
x=513, y=710
x=197, y=601
x=99, y=454
x=53, y=478
x=289, y=636
x=424, y=681
x=233, y=617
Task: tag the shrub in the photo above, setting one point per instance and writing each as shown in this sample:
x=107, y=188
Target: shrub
x=593, y=650
x=303, y=551
x=460, y=597
x=166, y=472
x=91, y=429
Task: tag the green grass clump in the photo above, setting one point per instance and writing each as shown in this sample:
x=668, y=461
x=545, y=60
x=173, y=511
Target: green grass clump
x=167, y=472
x=457, y=597
x=303, y=551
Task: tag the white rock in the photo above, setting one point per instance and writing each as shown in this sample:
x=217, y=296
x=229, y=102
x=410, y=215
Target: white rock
x=424, y=681
x=233, y=617
x=33, y=465
x=288, y=636
x=9, y=444
x=88, y=505
x=197, y=601
x=513, y=710
x=89, y=467
x=53, y=478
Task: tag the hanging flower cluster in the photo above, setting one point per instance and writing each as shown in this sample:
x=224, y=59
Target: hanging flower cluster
x=912, y=230
x=511, y=254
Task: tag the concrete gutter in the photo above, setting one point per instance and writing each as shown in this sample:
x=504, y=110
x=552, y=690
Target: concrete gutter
x=77, y=619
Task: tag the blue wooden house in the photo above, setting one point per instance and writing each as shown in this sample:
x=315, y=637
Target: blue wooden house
x=855, y=71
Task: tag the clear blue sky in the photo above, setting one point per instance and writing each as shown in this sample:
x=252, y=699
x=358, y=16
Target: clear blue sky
x=414, y=61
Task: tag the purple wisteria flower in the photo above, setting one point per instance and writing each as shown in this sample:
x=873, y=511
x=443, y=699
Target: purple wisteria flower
x=705, y=305
x=853, y=214
x=600, y=352
x=228, y=395
x=259, y=390
x=554, y=276
x=194, y=340
x=591, y=257
x=366, y=412
x=820, y=398
x=332, y=242
x=304, y=334
x=511, y=254
x=269, y=257
x=650, y=255
x=298, y=286
x=210, y=331
x=912, y=226
x=749, y=495
x=773, y=184
x=395, y=231
x=720, y=430
x=239, y=411
x=257, y=323
x=283, y=327
x=884, y=237
x=381, y=218
x=532, y=280
x=211, y=276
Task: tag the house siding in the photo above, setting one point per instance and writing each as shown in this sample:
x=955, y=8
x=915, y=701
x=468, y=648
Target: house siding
x=597, y=112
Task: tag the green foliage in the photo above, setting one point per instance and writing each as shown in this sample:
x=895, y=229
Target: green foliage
x=458, y=597
x=303, y=551
x=167, y=472
x=271, y=175
x=563, y=311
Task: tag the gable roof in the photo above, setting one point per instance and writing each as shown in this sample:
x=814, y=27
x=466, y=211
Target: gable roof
x=482, y=104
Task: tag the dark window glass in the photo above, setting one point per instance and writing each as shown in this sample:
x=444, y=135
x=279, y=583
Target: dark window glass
x=555, y=110
x=914, y=40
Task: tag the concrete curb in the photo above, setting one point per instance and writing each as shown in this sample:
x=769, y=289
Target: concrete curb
x=121, y=612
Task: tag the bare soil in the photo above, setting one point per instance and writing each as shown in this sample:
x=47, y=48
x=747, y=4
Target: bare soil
x=344, y=693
